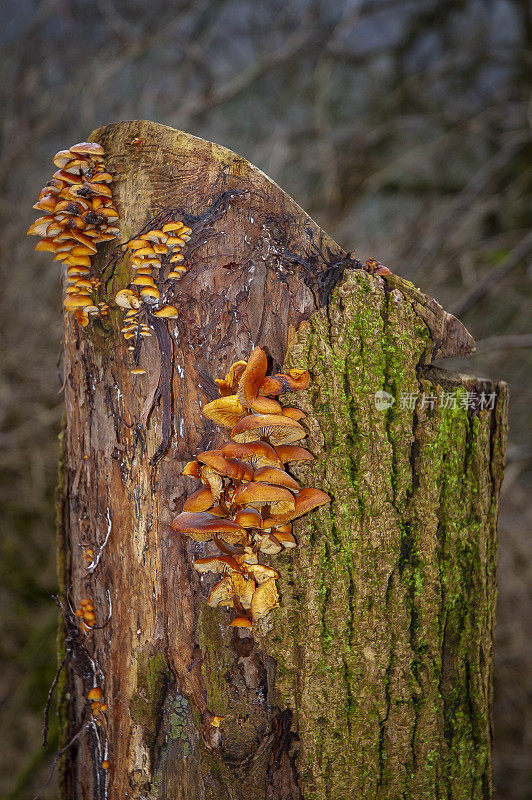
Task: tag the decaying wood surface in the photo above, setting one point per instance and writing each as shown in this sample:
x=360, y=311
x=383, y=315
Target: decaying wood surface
x=374, y=678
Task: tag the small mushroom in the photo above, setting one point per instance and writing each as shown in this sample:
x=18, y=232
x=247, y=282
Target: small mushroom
x=241, y=622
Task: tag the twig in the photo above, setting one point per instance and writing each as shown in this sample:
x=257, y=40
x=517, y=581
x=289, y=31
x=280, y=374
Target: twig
x=49, y=701
x=58, y=756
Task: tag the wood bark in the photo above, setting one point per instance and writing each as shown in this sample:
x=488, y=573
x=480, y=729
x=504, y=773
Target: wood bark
x=374, y=677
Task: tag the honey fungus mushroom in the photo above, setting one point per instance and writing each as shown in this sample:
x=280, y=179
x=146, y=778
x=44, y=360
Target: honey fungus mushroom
x=247, y=499
x=79, y=215
x=155, y=258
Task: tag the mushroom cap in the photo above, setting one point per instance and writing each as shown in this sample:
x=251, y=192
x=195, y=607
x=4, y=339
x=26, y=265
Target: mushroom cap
x=87, y=149
x=292, y=452
x=277, y=427
x=213, y=459
x=191, y=469
x=266, y=405
x=172, y=226
x=305, y=500
x=293, y=413
x=169, y=312
x=232, y=468
x=294, y=380
x=217, y=564
x=253, y=375
x=248, y=518
x=241, y=622
x=276, y=476
x=288, y=540
x=95, y=693
x=47, y=245
x=150, y=293
x=257, y=495
x=229, y=384
x=200, y=500
x=265, y=599
x=202, y=526
x=225, y=411
x=259, y=454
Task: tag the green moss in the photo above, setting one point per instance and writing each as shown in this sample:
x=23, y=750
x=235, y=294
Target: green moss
x=399, y=549
x=146, y=705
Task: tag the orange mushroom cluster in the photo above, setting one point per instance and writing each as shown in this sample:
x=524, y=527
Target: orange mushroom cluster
x=79, y=213
x=95, y=695
x=87, y=613
x=155, y=254
x=247, y=500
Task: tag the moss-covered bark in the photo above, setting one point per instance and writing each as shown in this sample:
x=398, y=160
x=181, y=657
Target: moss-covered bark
x=384, y=636
x=373, y=678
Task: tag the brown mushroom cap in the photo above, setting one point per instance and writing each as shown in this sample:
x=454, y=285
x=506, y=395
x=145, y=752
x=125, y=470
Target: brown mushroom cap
x=191, y=469
x=166, y=312
x=253, y=375
x=225, y=411
x=241, y=622
x=229, y=384
x=306, y=500
x=288, y=540
x=278, y=428
x=266, y=405
x=213, y=459
x=292, y=452
x=200, y=500
x=265, y=598
x=87, y=149
x=217, y=564
x=276, y=476
x=259, y=454
x=293, y=413
x=257, y=495
x=248, y=518
x=202, y=526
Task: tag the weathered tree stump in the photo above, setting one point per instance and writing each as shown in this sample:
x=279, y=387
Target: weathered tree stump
x=374, y=679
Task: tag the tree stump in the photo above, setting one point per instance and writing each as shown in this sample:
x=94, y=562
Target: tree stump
x=374, y=678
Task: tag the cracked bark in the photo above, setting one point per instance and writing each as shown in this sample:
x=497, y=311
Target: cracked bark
x=374, y=678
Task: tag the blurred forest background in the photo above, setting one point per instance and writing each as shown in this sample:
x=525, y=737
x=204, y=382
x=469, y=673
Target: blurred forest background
x=402, y=126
